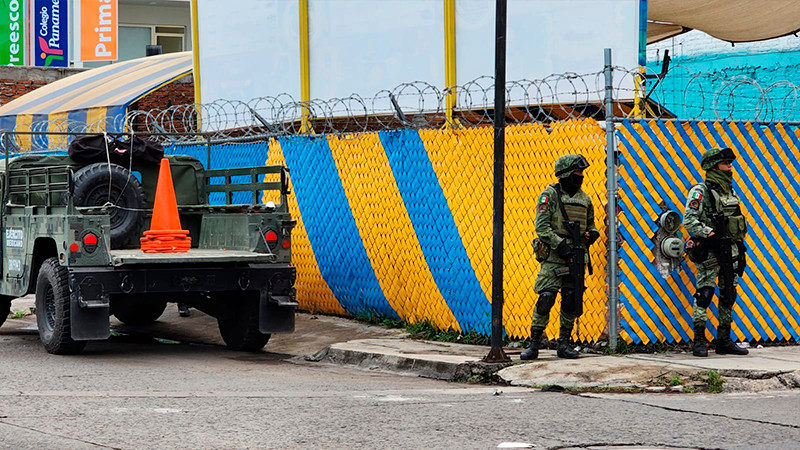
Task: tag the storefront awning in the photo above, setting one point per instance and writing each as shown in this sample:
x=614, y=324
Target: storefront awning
x=95, y=95
x=732, y=21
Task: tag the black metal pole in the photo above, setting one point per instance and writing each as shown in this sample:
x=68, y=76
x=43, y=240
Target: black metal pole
x=496, y=354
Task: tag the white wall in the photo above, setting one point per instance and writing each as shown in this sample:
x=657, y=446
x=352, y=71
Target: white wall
x=250, y=48
x=546, y=37
x=364, y=46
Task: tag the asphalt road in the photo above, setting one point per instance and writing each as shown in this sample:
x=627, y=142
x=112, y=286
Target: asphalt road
x=141, y=393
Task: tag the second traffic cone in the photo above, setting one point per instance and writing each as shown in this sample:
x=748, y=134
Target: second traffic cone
x=165, y=234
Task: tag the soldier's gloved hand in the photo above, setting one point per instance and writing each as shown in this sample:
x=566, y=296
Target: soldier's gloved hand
x=592, y=236
x=563, y=250
x=712, y=240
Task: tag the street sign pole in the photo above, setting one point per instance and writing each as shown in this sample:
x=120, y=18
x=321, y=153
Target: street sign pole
x=496, y=353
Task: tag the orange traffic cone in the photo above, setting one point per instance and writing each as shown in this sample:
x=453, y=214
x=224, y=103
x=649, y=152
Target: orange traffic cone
x=165, y=234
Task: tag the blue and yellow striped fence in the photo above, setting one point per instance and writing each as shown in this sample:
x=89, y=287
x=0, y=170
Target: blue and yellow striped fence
x=659, y=164
x=398, y=223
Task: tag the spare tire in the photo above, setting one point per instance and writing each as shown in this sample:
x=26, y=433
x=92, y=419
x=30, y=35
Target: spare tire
x=92, y=188
x=5, y=308
x=137, y=309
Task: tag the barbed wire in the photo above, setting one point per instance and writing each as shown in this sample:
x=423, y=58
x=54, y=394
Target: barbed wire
x=677, y=93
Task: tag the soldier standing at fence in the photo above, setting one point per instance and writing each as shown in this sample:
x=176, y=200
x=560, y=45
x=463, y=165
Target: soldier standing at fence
x=714, y=218
x=560, y=207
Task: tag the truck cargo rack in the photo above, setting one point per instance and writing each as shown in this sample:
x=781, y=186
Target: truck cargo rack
x=230, y=185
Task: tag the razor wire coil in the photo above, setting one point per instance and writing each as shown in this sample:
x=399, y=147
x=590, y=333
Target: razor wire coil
x=679, y=93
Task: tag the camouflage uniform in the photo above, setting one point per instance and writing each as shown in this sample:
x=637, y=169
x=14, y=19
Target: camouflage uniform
x=551, y=233
x=697, y=221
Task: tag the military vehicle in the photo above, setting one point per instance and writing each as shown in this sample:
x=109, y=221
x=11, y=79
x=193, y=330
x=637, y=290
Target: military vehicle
x=71, y=236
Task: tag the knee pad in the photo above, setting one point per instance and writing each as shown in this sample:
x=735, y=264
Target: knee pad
x=703, y=296
x=725, y=301
x=545, y=303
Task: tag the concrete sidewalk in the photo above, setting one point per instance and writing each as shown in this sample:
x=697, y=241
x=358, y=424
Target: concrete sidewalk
x=348, y=342
x=768, y=368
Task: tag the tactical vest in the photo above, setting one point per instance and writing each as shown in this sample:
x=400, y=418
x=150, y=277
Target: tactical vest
x=576, y=207
x=730, y=206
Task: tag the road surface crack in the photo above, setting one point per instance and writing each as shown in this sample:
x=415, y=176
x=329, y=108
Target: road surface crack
x=56, y=435
x=700, y=413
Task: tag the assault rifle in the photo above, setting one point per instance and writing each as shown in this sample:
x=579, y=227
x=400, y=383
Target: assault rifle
x=722, y=242
x=577, y=265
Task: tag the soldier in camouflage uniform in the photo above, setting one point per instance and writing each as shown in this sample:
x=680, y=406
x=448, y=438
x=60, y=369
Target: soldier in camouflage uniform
x=717, y=188
x=554, y=250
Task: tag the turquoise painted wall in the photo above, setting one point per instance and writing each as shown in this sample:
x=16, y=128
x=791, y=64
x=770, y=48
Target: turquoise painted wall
x=709, y=86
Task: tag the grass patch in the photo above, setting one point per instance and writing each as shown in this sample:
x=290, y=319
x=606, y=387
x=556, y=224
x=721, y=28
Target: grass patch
x=675, y=381
x=604, y=390
x=715, y=382
x=622, y=348
x=689, y=389
x=426, y=330
x=376, y=319
x=18, y=315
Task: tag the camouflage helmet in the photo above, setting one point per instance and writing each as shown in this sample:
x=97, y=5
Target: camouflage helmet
x=715, y=155
x=567, y=164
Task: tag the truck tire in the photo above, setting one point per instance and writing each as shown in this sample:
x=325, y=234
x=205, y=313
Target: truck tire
x=92, y=189
x=133, y=309
x=52, y=309
x=239, y=328
x=5, y=309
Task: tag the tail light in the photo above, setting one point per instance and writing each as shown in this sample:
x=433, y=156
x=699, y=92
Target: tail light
x=90, y=242
x=271, y=237
x=286, y=244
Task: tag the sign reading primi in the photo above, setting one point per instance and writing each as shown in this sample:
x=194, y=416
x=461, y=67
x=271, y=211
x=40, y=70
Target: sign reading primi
x=50, y=39
x=99, y=30
x=12, y=33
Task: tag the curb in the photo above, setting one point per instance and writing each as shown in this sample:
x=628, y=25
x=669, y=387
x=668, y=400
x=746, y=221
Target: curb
x=426, y=368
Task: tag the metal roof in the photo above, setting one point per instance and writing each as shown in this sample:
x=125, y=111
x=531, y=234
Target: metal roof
x=96, y=94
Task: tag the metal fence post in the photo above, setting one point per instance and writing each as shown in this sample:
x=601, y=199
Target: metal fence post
x=612, y=266
x=208, y=152
x=496, y=354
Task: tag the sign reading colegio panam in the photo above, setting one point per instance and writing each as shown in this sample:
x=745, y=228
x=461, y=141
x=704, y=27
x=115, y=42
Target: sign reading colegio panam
x=50, y=39
x=12, y=33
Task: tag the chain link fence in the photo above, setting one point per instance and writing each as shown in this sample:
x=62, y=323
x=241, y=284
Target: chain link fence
x=392, y=194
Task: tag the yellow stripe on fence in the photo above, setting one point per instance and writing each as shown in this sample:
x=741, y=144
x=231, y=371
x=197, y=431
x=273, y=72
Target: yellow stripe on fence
x=387, y=232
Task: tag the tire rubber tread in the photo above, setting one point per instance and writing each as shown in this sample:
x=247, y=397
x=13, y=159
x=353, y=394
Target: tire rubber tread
x=5, y=309
x=131, y=310
x=241, y=331
x=57, y=276
x=133, y=191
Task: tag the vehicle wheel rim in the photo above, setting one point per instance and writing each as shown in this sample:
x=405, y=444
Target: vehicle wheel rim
x=50, y=308
x=101, y=195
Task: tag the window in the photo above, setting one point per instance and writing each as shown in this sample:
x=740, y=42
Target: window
x=134, y=39
x=169, y=38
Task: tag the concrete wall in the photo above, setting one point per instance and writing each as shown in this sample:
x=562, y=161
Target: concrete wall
x=17, y=81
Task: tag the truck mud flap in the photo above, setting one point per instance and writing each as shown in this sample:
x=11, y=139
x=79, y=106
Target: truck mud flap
x=276, y=313
x=89, y=323
x=89, y=310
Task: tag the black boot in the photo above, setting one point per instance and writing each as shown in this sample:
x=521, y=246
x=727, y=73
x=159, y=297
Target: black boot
x=725, y=346
x=699, y=347
x=565, y=350
x=532, y=350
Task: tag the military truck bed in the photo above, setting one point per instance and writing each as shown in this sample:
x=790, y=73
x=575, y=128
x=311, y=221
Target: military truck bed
x=196, y=255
